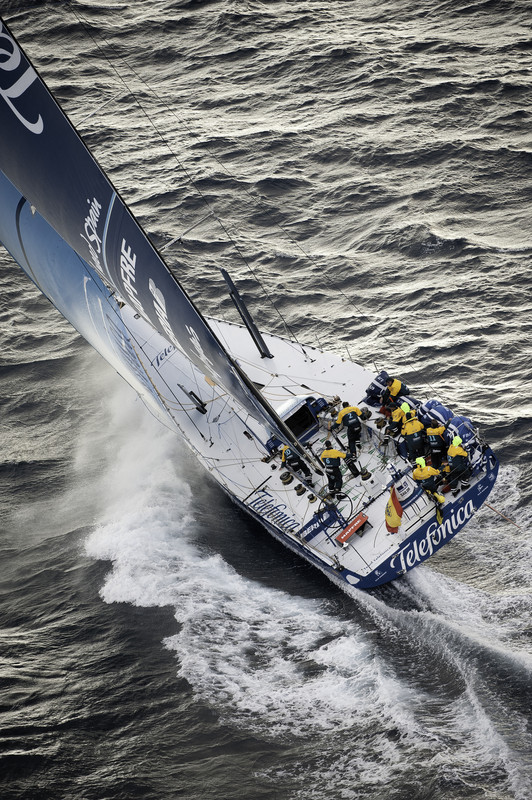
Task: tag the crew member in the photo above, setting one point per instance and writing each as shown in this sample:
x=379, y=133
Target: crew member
x=332, y=459
x=459, y=470
x=428, y=477
x=436, y=442
x=292, y=458
x=413, y=433
x=394, y=390
x=350, y=417
x=397, y=420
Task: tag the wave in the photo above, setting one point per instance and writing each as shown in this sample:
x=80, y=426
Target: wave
x=309, y=669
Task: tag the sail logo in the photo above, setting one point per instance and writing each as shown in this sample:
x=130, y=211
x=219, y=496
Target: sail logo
x=317, y=524
x=265, y=505
x=128, y=263
x=162, y=356
x=90, y=235
x=159, y=305
x=436, y=534
x=10, y=60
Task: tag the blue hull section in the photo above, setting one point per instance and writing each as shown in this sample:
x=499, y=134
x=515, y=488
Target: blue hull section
x=429, y=538
x=418, y=547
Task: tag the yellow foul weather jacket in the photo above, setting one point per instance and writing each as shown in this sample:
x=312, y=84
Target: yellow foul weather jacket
x=395, y=388
x=348, y=410
x=332, y=457
x=412, y=425
x=422, y=473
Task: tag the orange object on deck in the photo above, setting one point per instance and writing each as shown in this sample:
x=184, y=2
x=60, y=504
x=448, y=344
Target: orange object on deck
x=352, y=528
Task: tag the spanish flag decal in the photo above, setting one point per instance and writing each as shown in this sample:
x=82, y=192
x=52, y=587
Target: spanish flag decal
x=393, y=513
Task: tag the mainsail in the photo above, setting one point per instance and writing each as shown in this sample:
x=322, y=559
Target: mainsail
x=44, y=157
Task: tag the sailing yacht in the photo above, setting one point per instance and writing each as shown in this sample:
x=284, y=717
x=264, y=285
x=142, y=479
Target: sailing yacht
x=236, y=396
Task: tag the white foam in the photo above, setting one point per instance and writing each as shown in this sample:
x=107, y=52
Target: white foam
x=491, y=600
x=280, y=665
x=268, y=660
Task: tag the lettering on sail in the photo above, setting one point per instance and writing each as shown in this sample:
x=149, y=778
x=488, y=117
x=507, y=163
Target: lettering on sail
x=159, y=305
x=163, y=355
x=10, y=60
x=435, y=536
x=90, y=235
x=128, y=263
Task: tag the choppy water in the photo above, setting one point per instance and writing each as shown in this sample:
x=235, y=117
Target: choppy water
x=372, y=160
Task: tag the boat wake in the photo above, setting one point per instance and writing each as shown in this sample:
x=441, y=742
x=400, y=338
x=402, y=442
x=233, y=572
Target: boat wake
x=399, y=672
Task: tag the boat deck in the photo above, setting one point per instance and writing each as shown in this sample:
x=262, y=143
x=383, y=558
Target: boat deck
x=234, y=447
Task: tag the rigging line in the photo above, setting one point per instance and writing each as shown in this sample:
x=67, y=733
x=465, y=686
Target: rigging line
x=159, y=419
x=293, y=345
x=255, y=196
x=85, y=24
x=231, y=462
x=159, y=395
x=196, y=378
x=190, y=228
x=97, y=110
x=238, y=374
x=285, y=380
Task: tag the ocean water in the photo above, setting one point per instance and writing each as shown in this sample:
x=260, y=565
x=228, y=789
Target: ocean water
x=363, y=170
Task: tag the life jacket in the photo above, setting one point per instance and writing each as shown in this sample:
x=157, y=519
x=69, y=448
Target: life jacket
x=456, y=450
x=435, y=438
x=398, y=415
x=332, y=459
x=350, y=417
x=397, y=388
x=423, y=473
x=457, y=457
x=412, y=424
x=289, y=456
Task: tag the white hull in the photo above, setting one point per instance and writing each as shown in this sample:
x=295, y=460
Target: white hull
x=232, y=447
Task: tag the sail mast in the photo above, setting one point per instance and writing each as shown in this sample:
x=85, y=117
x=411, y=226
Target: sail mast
x=46, y=159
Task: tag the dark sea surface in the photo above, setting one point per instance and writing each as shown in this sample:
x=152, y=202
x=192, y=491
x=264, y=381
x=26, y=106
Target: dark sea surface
x=364, y=171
